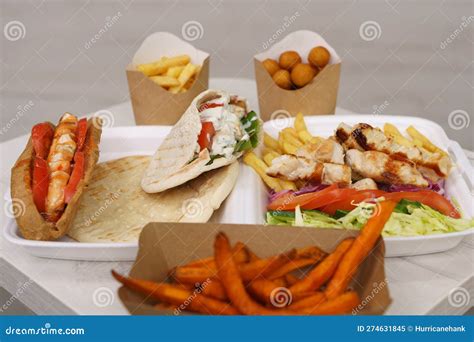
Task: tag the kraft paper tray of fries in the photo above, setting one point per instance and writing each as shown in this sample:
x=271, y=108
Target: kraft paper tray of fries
x=191, y=272
x=165, y=75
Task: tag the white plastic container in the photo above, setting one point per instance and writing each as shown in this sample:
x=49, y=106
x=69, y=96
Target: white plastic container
x=119, y=142
x=247, y=202
x=458, y=185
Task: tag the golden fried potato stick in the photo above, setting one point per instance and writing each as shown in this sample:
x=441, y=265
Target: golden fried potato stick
x=323, y=271
x=171, y=294
x=162, y=65
x=393, y=132
x=426, y=143
x=256, y=163
x=290, y=138
x=175, y=71
x=269, y=156
x=300, y=124
x=165, y=81
x=271, y=143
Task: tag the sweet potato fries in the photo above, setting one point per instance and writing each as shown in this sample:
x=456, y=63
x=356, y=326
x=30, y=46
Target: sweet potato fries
x=236, y=281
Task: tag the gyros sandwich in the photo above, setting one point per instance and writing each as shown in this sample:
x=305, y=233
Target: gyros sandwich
x=50, y=175
x=213, y=132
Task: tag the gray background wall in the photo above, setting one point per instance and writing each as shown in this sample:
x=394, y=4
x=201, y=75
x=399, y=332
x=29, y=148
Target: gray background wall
x=409, y=68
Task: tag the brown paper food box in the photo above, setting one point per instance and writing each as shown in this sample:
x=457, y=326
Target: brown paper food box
x=317, y=97
x=152, y=104
x=160, y=250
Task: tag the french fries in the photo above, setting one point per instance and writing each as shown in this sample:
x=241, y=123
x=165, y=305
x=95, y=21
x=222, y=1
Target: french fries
x=425, y=142
x=175, y=74
x=165, y=81
x=260, y=167
x=271, y=143
x=393, y=132
x=236, y=281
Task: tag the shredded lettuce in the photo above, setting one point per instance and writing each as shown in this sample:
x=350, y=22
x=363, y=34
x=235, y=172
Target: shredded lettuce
x=408, y=219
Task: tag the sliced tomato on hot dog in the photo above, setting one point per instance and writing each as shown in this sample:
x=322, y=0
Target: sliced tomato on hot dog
x=81, y=133
x=42, y=135
x=76, y=176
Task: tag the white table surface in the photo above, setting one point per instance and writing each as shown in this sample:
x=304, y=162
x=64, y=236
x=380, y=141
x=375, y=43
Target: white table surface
x=418, y=285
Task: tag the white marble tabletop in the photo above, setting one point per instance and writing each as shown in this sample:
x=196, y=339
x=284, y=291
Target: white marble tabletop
x=427, y=284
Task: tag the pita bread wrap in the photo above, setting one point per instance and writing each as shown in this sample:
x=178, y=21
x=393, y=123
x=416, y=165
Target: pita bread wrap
x=182, y=156
x=114, y=208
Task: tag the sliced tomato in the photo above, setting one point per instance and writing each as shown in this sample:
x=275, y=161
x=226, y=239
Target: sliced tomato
x=427, y=197
x=205, y=106
x=40, y=183
x=348, y=203
x=76, y=176
x=205, y=137
x=81, y=132
x=290, y=201
x=42, y=136
x=320, y=200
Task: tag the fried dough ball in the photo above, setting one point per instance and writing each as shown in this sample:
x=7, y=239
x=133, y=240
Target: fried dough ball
x=271, y=66
x=319, y=56
x=289, y=59
x=302, y=74
x=282, y=79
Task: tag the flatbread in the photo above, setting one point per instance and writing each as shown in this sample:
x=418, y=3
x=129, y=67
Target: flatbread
x=170, y=165
x=114, y=208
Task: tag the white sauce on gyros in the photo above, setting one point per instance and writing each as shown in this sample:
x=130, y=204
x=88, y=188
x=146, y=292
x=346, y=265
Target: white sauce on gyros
x=226, y=121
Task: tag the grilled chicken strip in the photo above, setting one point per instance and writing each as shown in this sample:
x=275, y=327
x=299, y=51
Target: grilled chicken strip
x=327, y=151
x=374, y=139
x=365, y=184
x=382, y=168
x=344, y=135
x=297, y=168
x=59, y=162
